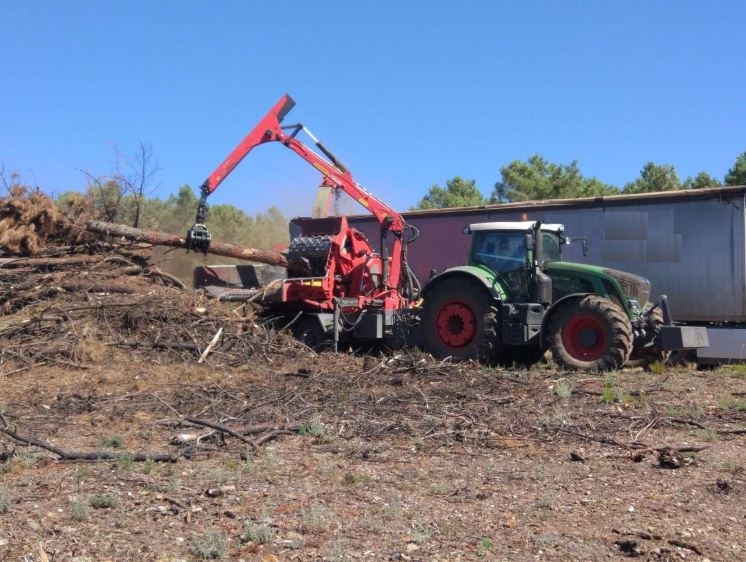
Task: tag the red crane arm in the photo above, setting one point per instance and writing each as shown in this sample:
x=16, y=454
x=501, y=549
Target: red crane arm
x=258, y=135
x=269, y=129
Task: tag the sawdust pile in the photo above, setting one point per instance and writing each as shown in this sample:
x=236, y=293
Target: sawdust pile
x=69, y=297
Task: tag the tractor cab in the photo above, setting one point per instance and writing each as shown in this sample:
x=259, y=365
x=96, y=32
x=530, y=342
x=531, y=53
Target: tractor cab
x=509, y=249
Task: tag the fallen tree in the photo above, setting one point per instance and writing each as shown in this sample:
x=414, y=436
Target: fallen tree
x=172, y=240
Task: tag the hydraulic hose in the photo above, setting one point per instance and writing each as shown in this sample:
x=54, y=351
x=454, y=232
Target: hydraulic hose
x=412, y=285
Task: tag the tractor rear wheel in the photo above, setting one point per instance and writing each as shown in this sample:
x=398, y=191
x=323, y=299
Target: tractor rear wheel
x=591, y=334
x=460, y=320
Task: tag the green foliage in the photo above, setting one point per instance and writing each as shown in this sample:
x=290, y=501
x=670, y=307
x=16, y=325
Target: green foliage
x=316, y=519
x=352, y=478
x=114, y=442
x=27, y=457
x=126, y=460
x=700, y=181
x=314, y=427
x=6, y=499
x=79, y=510
x=148, y=466
x=730, y=403
x=260, y=532
x=457, y=193
x=439, y=488
x=562, y=389
x=210, y=547
x=658, y=367
x=609, y=394
x=175, y=214
x=736, y=369
x=103, y=501
x=227, y=223
x=737, y=174
x=484, y=546
x=548, y=500
x=654, y=177
x=107, y=198
x=539, y=179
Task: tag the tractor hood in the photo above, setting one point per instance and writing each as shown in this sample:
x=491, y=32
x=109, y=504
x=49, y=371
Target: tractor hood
x=633, y=286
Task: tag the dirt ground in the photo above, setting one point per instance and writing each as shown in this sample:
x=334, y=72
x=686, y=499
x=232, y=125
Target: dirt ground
x=396, y=458
x=117, y=443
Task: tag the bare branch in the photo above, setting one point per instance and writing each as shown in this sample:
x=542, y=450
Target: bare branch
x=9, y=181
x=222, y=428
x=92, y=456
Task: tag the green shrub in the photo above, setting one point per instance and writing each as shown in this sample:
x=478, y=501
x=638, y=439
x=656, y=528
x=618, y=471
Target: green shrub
x=103, y=501
x=6, y=499
x=79, y=510
x=258, y=532
x=210, y=547
x=113, y=442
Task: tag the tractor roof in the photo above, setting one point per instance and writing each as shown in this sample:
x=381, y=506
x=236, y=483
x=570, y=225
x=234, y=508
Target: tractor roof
x=521, y=226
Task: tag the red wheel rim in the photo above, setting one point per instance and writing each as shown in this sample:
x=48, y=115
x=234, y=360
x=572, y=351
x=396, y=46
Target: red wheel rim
x=456, y=324
x=585, y=338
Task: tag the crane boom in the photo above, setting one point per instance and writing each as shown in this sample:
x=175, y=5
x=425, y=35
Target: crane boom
x=270, y=129
x=336, y=175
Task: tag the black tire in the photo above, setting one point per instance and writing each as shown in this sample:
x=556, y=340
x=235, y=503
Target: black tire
x=591, y=334
x=308, y=330
x=460, y=320
x=643, y=356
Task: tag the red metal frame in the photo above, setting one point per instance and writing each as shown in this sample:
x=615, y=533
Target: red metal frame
x=269, y=129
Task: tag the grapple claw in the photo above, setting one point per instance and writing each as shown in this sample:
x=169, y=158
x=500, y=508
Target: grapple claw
x=198, y=238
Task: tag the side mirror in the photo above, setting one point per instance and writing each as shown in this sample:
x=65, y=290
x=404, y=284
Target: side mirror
x=583, y=239
x=530, y=242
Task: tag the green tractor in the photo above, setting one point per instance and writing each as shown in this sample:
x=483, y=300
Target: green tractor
x=516, y=299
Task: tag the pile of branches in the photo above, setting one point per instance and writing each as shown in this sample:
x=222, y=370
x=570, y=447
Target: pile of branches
x=69, y=296
x=30, y=222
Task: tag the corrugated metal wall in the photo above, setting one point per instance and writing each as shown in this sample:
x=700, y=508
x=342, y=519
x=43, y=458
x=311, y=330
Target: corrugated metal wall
x=692, y=246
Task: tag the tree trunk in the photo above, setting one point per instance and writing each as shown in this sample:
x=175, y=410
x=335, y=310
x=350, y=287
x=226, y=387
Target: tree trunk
x=163, y=239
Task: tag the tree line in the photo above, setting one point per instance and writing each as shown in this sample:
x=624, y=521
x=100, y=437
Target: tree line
x=125, y=195
x=175, y=214
x=537, y=179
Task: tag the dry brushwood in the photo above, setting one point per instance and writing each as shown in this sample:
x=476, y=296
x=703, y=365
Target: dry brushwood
x=30, y=219
x=68, y=296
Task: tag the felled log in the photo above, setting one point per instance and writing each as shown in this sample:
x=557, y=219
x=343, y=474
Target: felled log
x=163, y=239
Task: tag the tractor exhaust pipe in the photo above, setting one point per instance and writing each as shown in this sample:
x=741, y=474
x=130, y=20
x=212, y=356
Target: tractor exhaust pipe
x=540, y=282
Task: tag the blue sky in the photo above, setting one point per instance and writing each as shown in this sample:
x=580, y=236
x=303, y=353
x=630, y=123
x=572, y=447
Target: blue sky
x=407, y=94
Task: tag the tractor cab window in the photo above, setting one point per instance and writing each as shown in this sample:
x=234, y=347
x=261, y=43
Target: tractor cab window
x=551, y=247
x=501, y=251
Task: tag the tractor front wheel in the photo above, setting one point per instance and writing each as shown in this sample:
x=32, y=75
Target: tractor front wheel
x=460, y=320
x=591, y=334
